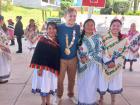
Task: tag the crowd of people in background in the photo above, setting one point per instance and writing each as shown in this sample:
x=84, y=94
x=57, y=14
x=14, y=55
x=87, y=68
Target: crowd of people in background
x=96, y=59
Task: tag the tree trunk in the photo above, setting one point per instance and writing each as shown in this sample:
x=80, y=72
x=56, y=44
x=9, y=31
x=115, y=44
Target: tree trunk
x=43, y=15
x=0, y=6
x=135, y=6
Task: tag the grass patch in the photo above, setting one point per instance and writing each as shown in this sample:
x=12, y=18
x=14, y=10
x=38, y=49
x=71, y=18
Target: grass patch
x=27, y=14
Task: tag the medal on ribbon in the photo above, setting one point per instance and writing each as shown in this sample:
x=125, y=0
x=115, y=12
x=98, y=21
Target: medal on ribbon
x=68, y=46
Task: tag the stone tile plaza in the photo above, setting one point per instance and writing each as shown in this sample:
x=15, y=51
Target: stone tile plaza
x=18, y=90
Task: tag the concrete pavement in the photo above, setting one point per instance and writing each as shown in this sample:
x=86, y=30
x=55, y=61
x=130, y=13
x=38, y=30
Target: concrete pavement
x=18, y=90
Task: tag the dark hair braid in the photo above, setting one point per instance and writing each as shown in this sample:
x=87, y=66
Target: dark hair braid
x=81, y=38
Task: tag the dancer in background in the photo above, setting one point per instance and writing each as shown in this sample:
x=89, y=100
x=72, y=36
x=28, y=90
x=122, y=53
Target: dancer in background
x=134, y=39
x=5, y=55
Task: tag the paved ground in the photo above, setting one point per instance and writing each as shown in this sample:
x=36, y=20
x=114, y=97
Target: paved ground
x=18, y=90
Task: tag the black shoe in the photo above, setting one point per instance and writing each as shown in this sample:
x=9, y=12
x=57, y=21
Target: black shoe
x=123, y=67
x=130, y=70
x=18, y=51
x=2, y=82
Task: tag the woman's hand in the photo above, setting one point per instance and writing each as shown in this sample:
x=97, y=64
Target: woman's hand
x=84, y=59
x=3, y=48
x=111, y=65
x=39, y=72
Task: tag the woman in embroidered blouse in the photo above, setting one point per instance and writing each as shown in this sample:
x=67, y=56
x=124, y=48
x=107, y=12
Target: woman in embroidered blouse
x=46, y=64
x=134, y=39
x=114, y=48
x=89, y=55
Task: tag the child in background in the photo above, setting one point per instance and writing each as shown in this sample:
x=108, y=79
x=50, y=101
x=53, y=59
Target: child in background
x=133, y=54
x=11, y=31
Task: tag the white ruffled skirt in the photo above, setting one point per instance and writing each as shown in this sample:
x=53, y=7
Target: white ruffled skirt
x=113, y=86
x=87, y=85
x=5, y=67
x=45, y=84
x=130, y=56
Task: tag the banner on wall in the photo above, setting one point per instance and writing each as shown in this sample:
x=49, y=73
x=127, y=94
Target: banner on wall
x=95, y=3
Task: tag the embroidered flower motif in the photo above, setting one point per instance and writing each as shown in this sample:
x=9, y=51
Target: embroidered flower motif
x=120, y=49
x=81, y=48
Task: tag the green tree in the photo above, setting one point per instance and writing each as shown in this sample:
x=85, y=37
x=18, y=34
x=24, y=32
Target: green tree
x=108, y=4
x=107, y=9
x=135, y=6
x=64, y=5
x=0, y=6
x=6, y=5
x=120, y=7
x=82, y=9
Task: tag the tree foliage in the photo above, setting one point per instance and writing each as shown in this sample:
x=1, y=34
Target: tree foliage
x=135, y=6
x=107, y=9
x=6, y=5
x=64, y=5
x=121, y=7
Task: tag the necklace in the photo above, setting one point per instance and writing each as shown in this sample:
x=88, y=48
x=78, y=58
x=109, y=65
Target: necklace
x=68, y=46
x=52, y=40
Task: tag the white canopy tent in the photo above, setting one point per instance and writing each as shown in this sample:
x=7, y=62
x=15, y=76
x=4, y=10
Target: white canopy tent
x=42, y=4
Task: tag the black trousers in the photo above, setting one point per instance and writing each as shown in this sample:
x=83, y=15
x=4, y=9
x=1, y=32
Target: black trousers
x=19, y=41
